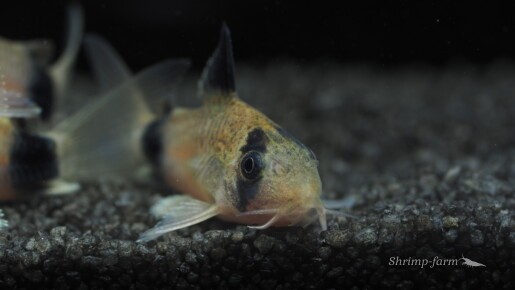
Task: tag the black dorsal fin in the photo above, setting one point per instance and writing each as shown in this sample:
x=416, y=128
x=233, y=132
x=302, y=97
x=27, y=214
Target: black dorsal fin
x=218, y=76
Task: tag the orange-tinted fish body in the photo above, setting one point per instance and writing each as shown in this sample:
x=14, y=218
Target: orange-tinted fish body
x=199, y=143
x=230, y=160
x=6, y=141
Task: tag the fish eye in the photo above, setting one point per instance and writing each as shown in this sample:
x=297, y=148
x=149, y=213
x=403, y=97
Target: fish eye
x=251, y=165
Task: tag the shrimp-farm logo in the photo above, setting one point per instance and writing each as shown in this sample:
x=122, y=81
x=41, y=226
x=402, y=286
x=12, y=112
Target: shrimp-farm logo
x=435, y=262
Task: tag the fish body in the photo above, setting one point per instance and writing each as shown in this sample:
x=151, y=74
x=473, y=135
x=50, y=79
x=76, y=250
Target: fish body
x=29, y=84
x=230, y=160
x=212, y=153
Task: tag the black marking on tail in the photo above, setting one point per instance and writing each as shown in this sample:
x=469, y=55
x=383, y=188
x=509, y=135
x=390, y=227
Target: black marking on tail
x=42, y=91
x=256, y=141
x=218, y=76
x=153, y=142
x=33, y=161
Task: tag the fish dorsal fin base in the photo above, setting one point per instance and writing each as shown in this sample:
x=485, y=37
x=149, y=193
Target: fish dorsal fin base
x=218, y=82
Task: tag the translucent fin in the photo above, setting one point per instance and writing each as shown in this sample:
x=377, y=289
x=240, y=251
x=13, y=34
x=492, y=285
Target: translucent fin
x=105, y=137
x=175, y=75
x=346, y=202
x=3, y=222
x=61, y=187
x=108, y=68
x=178, y=212
x=61, y=69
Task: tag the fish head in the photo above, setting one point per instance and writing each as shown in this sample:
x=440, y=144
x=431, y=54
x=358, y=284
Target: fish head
x=274, y=174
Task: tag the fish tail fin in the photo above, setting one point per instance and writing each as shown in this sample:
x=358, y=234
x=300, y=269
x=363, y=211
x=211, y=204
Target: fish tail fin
x=106, y=64
x=105, y=136
x=110, y=70
x=60, y=70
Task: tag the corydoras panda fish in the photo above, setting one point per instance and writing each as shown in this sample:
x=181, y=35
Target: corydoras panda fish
x=229, y=160
x=29, y=86
x=75, y=150
x=54, y=162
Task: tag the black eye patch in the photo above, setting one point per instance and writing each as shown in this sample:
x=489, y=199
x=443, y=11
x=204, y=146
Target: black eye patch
x=256, y=141
x=251, y=165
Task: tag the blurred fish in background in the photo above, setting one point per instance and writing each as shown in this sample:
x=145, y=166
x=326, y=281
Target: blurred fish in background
x=29, y=84
x=30, y=87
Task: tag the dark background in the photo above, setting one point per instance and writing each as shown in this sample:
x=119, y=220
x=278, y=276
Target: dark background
x=145, y=32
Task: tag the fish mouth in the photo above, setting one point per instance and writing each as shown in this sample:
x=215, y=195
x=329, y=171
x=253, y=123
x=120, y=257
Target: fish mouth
x=281, y=217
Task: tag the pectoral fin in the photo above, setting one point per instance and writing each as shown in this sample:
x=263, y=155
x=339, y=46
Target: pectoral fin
x=61, y=69
x=61, y=187
x=177, y=212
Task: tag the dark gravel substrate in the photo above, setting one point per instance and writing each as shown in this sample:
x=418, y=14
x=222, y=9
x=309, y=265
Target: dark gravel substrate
x=427, y=154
